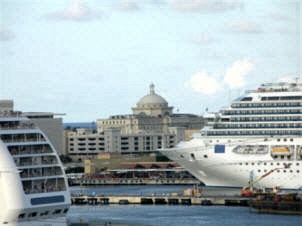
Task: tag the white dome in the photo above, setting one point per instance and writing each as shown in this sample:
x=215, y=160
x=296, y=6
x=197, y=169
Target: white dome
x=152, y=99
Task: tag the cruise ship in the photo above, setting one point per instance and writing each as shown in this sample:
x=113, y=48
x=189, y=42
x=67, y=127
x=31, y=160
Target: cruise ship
x=33, y=185
x=257, y=138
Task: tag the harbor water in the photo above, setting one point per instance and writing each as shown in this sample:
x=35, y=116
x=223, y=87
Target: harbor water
x=167, y=215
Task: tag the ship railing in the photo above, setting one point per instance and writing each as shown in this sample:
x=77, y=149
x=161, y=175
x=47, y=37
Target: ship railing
x=9, y=114
x=50, y=161
x=41, y=172
x=45, y=186
x=14, y=151
x=22, y=140
x=23, y=126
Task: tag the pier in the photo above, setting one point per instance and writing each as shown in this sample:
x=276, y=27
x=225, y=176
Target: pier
x=132, y=181
x=158, y=200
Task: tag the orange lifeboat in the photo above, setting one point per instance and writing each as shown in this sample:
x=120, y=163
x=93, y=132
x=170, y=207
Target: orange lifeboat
x=281, y=150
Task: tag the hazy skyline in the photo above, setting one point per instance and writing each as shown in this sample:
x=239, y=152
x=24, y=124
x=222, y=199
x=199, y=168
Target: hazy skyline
x=92, y=59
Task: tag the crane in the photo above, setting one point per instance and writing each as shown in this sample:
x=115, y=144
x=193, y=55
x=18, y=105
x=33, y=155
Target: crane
x=248, y=190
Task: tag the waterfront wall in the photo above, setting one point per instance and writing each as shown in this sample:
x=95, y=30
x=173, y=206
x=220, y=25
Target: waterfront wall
x=158, y=200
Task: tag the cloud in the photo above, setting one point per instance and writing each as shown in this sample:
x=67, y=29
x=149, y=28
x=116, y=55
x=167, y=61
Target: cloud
x=127, y=5
x=234, y=76
x=6, y=35
x=206, y=5
x=202, y=38
x=76, y=11
x=280, y=17
x=288, y=78
x=243, y=27
x=202, y=83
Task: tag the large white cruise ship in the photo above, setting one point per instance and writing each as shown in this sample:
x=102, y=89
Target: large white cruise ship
x=33, y=186
x=258, y=136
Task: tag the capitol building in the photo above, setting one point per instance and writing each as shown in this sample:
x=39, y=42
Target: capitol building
x=151, y=126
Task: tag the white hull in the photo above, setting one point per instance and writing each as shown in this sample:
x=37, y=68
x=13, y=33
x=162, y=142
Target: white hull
x=231, y=169
x=33, y=185
x=60, y=221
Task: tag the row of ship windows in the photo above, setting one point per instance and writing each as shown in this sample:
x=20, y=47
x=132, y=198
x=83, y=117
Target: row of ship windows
x=278, y=164
x=265, y=119
x=254, y=132
x=257, y=126
x=266, y=105
x=260, y=112
x=42, y=214
x=279, y=139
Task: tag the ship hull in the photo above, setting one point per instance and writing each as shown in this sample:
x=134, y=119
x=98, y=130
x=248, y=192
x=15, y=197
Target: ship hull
x=230, y=169
x=59, y=221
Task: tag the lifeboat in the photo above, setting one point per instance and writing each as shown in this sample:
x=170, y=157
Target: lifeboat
x=281, y=150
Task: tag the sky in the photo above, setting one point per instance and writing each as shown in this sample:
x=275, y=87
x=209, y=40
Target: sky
x=90, y=59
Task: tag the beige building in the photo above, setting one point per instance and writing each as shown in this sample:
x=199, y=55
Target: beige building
x=152, y=126
x=152, y=114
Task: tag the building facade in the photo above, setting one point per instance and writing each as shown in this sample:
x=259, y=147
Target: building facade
x=48, y=122
x=152, y=126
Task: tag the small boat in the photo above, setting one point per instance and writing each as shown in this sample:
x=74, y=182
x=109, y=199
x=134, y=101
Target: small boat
x=289, y=204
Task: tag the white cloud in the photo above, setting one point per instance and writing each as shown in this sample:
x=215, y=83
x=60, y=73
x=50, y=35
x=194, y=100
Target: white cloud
x=234, y=76
x=127, y=5
x=244, y=27
x=6, y=35
x=76, y=11
x=206, y=5
x=202, y=38
x=202, y=83
x=288, y=78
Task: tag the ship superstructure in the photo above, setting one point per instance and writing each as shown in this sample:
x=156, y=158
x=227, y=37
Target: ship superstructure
x=33, y=185
x=258, y=132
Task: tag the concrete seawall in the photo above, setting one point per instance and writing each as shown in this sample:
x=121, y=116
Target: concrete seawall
x=132, y=181
x=159, y=200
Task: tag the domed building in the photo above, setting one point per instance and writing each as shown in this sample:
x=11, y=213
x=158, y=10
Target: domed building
x=152, y=114
x=152, y=126
x=152, y=104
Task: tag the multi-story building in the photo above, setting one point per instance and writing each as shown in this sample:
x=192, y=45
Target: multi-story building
x=152, y=126
x=48, y=122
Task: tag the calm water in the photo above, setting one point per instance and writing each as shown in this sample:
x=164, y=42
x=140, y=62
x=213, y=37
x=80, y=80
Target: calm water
x=166, y=215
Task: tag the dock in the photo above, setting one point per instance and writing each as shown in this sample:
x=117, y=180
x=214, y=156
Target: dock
x=132, y=181
x=158, y=200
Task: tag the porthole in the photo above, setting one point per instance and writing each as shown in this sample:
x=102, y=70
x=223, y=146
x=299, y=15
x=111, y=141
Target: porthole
x=65, y=211
x=205, y=156
x=192, y=156
x=33, y=214
x=58, y=211
x=21, y=216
